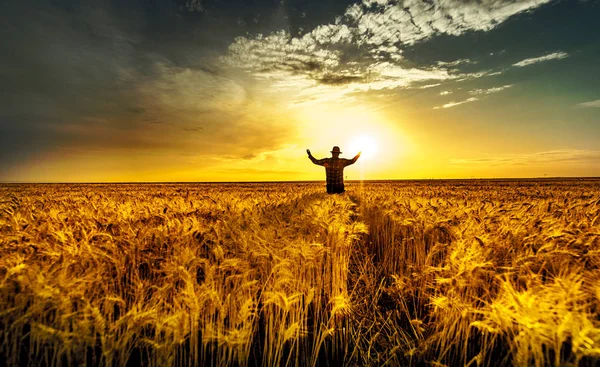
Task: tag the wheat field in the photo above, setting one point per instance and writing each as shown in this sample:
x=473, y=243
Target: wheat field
x=400, y=273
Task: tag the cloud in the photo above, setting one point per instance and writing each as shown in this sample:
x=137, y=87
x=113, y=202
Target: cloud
x=312, y=64
x=280, y=52
x=535, y=60
x=475, y=92
x=390, y=75
x=362, y=50
x=453, y=104
x=376, y=77
x=456, y=62
x=490, y=90
x=194, y=5
x=340, y=79
x=411, y=21
x=158, y=89
x=590, y=104
x=67, y=98
x=185, y=93
x=427, y=86
x=552, y=156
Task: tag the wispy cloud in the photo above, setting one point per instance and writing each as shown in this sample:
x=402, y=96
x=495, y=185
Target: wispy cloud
x=548, y=57
x=490, y=90
x=456, y=62
x=561, y=155
x=590, y=104
x=427, y=86
x=453, y=104
x=474, y=92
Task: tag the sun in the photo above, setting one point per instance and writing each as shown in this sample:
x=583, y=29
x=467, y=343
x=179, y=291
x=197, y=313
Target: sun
x=365, y=144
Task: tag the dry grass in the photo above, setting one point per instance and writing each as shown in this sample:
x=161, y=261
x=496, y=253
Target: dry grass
x=444, y=273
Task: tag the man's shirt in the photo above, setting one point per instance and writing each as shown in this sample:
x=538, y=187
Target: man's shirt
x=334, y=168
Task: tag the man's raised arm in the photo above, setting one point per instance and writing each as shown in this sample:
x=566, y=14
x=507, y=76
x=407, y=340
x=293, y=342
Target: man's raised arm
x=353, y=160
x=318, y=162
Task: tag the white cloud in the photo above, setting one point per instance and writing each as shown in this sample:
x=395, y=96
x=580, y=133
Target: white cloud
x=381, y=76
x=475, y=92
x=456, y=62
x=405, y=76
x=453, y=104
x=281, y=52
x=479, y=74
x=305, y=63
x=369, y=3
x=427, y=86
x=590, y=104
x=372, y=34
x=332, y=34
x=411, y=21
x=561, y=155
x=535, y=60
x=490, y=90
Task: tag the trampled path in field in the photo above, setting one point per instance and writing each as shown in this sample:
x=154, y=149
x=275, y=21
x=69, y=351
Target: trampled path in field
x=390, y=273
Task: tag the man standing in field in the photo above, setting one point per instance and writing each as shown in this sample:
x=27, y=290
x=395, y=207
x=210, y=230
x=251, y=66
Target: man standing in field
x=334, y=169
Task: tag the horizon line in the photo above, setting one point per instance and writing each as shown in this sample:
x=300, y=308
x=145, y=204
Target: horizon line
x=307, y=181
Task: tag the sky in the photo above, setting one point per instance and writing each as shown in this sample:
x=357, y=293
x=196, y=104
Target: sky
x=237, y=90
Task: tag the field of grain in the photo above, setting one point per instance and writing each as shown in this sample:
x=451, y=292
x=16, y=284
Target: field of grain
x=390, y=273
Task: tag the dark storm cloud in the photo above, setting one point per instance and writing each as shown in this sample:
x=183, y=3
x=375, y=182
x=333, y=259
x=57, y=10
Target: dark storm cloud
x=77, y=73
x=22, y=141
x=61, y=65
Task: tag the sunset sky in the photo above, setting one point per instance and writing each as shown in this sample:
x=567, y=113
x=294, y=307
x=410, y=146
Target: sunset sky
x=237, y=90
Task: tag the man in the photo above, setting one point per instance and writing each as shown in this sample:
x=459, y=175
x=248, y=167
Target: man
x=334, y=169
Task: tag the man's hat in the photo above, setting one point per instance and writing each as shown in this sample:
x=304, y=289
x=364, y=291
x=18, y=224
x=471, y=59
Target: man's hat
x=335, y=149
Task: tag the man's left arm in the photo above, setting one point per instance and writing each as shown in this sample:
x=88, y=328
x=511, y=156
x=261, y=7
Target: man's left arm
x=353, y=160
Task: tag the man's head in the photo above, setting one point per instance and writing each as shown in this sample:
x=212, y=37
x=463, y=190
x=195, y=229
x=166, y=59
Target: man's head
x=335, y=152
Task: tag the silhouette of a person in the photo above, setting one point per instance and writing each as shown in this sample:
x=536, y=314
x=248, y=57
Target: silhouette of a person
x=334, y=169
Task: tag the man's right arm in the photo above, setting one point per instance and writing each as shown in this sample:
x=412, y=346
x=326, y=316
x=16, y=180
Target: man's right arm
x=318, y=162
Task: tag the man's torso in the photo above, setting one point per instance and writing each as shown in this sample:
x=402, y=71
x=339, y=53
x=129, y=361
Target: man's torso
x=334, y=170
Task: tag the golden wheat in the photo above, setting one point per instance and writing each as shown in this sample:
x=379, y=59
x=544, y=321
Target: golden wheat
x=404, y=273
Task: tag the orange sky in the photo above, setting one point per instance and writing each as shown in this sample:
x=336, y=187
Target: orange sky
x=404, y=147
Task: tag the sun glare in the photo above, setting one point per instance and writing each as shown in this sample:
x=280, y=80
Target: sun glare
x=357, y=130
x=365, y=144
